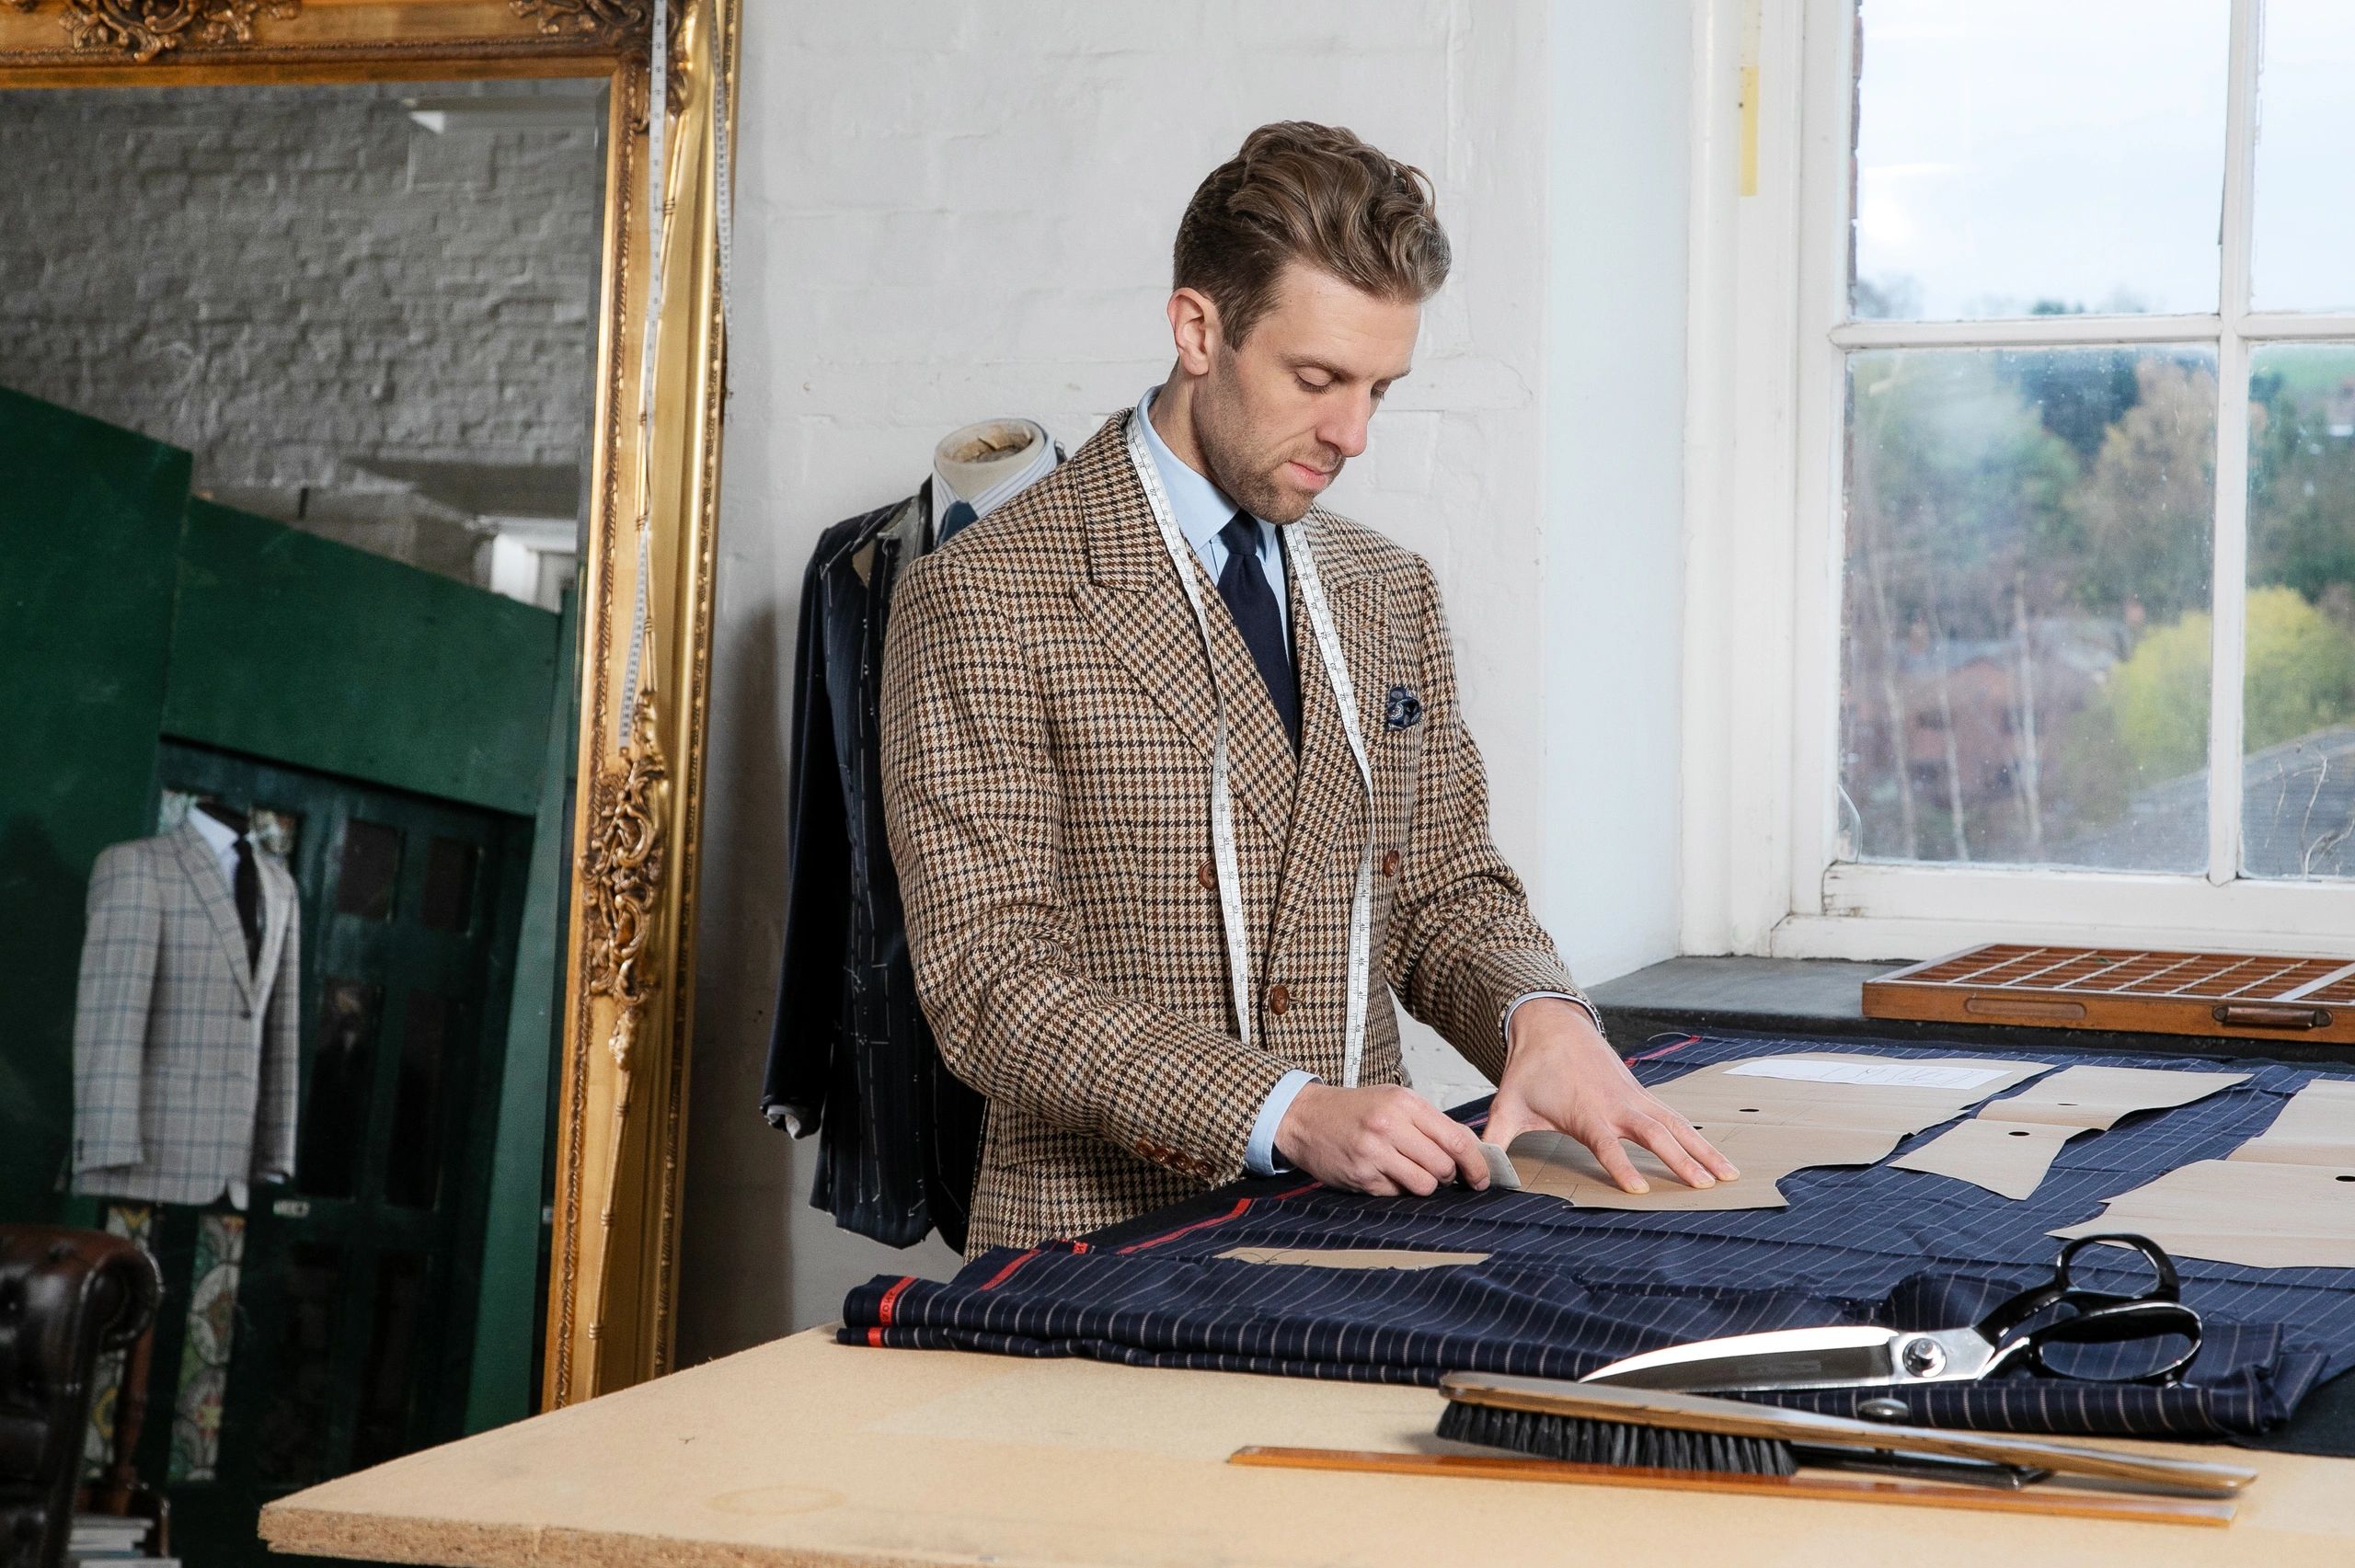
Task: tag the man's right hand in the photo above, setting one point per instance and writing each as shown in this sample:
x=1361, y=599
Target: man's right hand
x=1385, y=1141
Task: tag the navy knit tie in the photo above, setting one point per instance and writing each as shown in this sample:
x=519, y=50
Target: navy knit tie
x=1243, y=585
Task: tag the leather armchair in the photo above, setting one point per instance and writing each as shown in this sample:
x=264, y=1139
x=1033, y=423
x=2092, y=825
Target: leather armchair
x=65, y=1297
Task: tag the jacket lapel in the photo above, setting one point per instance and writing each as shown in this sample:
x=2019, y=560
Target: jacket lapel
x=211, y=890
x=1330, y=804
x=1139, y=610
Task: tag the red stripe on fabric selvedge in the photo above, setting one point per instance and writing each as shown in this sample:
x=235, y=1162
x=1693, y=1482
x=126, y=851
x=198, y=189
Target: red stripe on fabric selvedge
x=883, y=1308
x=1666, y=1050
x=998, y=1278
x=1242, y=1206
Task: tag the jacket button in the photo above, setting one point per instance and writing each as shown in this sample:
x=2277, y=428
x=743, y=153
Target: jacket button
x=1390, y=862
x=1279, y=997
x=1206, y=874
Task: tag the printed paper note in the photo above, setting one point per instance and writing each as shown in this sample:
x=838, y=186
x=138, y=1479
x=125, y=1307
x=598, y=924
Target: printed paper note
x=1898, y=1075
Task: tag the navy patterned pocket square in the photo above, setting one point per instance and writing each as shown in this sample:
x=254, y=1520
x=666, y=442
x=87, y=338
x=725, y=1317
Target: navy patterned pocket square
x=1401, y=709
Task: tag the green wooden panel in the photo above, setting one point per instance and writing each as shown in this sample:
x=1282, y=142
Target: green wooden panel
x=297, y=648
x=356, y=1314
x=89, y=522
x=515, y=1241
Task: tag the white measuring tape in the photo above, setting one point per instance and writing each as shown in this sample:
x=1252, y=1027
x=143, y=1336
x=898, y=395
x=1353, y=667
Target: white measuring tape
x=1337, y=676
x=657, y=113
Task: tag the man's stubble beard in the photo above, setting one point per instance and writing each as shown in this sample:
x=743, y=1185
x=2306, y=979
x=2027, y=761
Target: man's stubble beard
x=1234, y=468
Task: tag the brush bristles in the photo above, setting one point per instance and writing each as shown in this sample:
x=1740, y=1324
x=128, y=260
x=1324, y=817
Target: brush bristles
x=1582, y=1441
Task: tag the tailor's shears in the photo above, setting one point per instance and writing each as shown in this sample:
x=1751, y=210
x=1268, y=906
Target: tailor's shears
x=2067, y=1320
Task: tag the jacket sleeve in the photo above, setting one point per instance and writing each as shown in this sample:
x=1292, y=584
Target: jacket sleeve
x=805, y=1032
x=972, y=799
x=279, y=1091
x=119, y=941
x=1462, y=945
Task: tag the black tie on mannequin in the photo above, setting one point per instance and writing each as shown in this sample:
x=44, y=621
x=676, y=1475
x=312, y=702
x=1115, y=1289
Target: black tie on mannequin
x=248, y=885
x=1243, y=585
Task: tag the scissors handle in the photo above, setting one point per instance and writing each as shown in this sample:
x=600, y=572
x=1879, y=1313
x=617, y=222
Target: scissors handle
x=2095, y=1317
x=2156, y=1321
x=2063, y=1287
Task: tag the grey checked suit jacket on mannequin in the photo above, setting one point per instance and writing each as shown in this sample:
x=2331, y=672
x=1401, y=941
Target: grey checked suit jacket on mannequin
x=184, y=1059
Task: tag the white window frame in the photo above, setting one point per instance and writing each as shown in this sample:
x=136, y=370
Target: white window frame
x=1764, y=540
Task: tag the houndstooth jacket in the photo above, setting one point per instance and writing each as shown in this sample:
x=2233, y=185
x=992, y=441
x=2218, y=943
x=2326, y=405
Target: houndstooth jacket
x=184, y=1057
x=1046, y=728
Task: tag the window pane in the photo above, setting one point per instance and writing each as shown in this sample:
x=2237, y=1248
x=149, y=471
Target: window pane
x=2015, y=157
x=2298, y=777
x=2024, y=661
x=449, y=884
x=335, y=1113
x=292, y=1446
x=370, y=871
x=389, y=1382
x=2305, y=181
x=413, y=1172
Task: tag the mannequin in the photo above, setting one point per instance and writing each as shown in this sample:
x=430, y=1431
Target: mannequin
x=979, y=468
x=850, y=1059
x=187, y=981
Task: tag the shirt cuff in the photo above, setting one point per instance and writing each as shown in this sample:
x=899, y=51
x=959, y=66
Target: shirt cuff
x=1259, y=1154
x=1578, y=1002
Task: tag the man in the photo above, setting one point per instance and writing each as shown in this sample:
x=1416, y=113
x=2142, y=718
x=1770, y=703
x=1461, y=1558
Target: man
x=1149, y=882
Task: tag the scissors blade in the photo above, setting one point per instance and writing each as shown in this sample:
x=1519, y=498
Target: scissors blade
x=1839, y=1357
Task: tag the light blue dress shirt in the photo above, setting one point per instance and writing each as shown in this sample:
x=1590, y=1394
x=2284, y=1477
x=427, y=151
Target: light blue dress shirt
x=1202, y=511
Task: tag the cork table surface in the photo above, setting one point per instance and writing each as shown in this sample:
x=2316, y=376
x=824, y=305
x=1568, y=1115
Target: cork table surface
x=806, y=1452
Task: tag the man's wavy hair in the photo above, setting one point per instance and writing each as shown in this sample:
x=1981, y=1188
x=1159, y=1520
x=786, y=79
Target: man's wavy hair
x=1312, y=193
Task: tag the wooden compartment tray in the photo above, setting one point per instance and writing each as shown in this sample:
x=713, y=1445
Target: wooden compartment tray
x=2248, y=995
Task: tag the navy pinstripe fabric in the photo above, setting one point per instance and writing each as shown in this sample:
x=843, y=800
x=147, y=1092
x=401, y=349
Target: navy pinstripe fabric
x=1564, y=1290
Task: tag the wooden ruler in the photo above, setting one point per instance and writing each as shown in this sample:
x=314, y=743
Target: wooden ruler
x=1829, y=1485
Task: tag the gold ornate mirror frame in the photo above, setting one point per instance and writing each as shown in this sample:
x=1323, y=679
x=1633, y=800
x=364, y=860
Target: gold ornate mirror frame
x=646, y=567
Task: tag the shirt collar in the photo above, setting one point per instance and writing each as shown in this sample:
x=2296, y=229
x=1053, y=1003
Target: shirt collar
x=217, y=835
x=1200, y=507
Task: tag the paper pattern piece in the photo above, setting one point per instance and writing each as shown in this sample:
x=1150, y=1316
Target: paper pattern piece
x=1897, y=1074
x=2316, y=1128
x=1771, y=1125
x=2010, y=1144
x=1353, y=1257
x=2284, y=1199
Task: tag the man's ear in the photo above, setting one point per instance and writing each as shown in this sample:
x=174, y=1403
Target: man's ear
x=1194, y=329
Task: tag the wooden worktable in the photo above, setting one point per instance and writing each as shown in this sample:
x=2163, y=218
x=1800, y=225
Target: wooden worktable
x=806, y=1452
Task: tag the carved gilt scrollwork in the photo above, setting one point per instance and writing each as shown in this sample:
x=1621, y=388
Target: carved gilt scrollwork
x=142, y=29
x=621, y=872
x=606, y=21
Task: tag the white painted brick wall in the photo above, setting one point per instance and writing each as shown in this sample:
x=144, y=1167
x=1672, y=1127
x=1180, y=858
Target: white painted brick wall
x=948, y=211
x=283, y=279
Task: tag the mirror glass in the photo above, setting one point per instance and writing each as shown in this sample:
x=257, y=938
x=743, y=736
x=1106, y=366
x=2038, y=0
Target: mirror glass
x=295, y=409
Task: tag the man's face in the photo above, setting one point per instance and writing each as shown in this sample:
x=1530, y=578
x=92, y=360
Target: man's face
x=1279, y=415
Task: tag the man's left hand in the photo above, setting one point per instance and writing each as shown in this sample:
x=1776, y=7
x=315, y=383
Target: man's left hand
x=1561, y=1073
